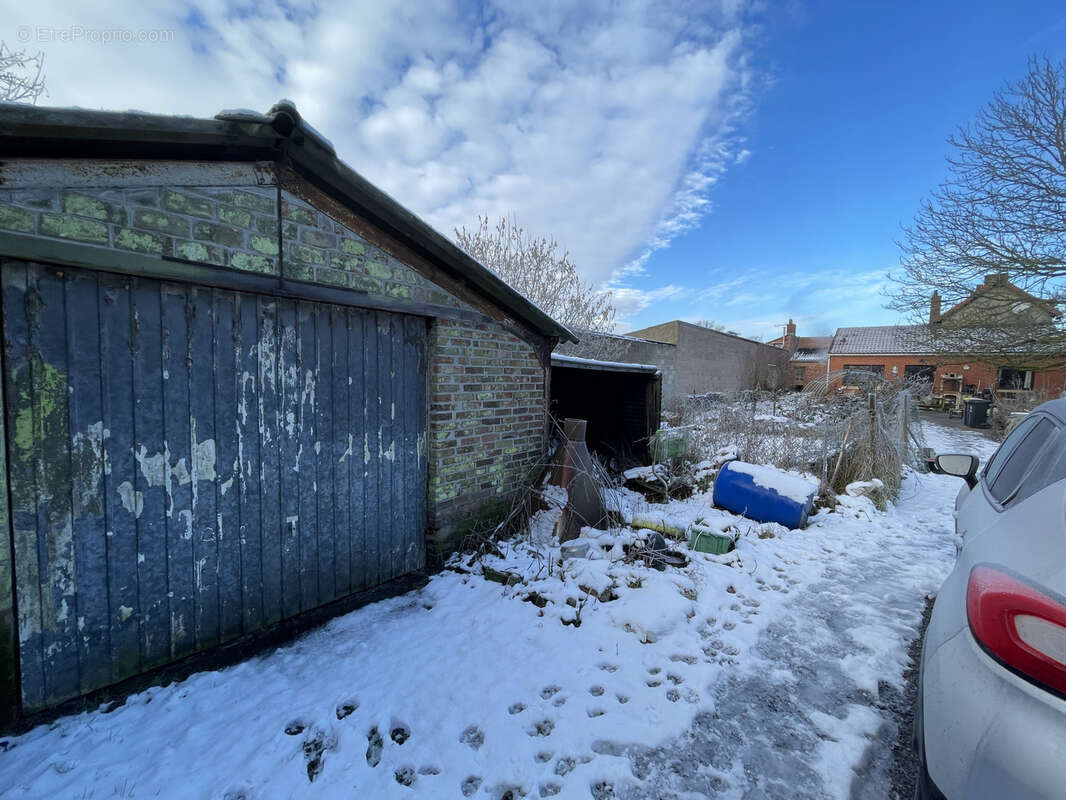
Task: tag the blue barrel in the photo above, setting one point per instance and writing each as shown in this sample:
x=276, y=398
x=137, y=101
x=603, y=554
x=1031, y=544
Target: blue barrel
x=764, y=494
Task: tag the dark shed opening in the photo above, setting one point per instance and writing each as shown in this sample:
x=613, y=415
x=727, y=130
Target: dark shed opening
x=621, y=403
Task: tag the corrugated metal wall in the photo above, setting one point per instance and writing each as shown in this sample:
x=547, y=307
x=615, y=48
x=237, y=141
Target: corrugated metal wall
x=189, y=464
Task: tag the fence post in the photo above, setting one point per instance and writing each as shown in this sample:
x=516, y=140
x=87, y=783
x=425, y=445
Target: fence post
x=873, y=434
x=905, y=407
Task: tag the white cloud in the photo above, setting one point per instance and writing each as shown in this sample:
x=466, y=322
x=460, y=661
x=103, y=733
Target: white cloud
x=757, y=303
x=604, y=124
x=631, y=301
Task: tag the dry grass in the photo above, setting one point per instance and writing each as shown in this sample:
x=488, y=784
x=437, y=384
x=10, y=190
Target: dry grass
x=837, y=436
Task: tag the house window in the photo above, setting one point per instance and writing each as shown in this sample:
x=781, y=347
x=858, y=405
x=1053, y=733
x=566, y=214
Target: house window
x=800, y=373
x=918, y=373
x=862, y=374
x=1015, y=379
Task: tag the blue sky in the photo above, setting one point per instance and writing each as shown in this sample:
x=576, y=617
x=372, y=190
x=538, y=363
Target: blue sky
x=847, y=134
x=743, y=161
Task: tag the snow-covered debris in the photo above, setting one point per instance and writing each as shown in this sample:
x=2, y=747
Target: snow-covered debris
x=601, y=676
x=864, y=488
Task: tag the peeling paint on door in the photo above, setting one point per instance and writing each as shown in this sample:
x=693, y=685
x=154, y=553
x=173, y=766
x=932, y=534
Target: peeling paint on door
x=180, y=466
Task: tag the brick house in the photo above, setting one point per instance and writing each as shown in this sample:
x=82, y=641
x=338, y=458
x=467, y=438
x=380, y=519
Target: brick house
x=241, y=384
x=898, y=352
x=808, y=355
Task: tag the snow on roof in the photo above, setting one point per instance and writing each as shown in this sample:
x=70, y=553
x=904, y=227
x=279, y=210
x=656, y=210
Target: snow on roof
x=881, y=340
x=590, y=363
x=807, y=355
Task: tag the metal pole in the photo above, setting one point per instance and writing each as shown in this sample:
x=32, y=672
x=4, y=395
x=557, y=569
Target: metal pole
x=905, y=399
x=873, y=434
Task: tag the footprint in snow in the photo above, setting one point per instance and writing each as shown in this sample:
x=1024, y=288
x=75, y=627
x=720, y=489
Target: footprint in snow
x=673, y=695
x=622, y=698
x=542, y=728
x=550, y=789
x=549, y=691
x=559, y=701
x=676, y=680
x=429, y=769
x=346, y=709
x=602, y=790
x=543, y=756
x=687, y=659
x=295, y=728
x=405, y=776
x=609, y=667
x=373, y=748
x=653, y=683
x=654, y=670
x=516, y=708
x=564, y=765
x=470, y=785
x=314, y=755
x=400, y=733
x=595, y=712
x=473, y=736
x=596, y=691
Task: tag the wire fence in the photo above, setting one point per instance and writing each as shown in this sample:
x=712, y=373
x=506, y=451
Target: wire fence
x=841, y=428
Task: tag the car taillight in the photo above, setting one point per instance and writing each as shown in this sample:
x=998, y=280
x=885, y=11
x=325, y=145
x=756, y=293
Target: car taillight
x=1019, y=626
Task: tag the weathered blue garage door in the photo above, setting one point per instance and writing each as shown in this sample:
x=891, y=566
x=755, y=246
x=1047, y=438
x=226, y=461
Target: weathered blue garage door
x=190, y=464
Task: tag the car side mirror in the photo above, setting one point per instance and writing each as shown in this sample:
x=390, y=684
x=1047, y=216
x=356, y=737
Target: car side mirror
x=958, y=464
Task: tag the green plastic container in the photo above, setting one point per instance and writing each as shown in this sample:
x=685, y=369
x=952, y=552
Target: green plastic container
x=705, y=541
x=669, y=443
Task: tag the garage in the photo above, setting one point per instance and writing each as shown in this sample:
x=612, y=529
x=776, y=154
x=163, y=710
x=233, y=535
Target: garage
x=244, y=390
x=190, y=464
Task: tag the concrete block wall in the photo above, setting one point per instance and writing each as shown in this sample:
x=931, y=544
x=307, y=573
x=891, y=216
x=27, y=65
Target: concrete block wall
x=639, y=351
x=696, y=360
x=229, y=227
x=487, y=417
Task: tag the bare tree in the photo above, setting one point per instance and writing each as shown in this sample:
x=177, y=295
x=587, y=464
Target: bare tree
x=21, y=75
x=535, y=267
x=1001, y=212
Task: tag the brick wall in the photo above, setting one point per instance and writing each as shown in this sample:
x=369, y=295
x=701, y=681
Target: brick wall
x=487, y=421
x=1046, y=385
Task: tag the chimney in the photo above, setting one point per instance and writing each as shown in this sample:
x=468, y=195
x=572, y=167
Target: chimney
x=995, y=279
x=934, y=308
x=788, y=342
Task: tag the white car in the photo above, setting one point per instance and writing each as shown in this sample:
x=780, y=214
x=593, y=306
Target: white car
x=991, y=715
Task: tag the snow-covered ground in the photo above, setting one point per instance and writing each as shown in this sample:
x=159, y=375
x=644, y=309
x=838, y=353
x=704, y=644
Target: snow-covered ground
x=753, y=674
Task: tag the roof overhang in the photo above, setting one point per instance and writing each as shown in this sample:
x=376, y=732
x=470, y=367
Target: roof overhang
x=282, y=136
x=574, y=362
